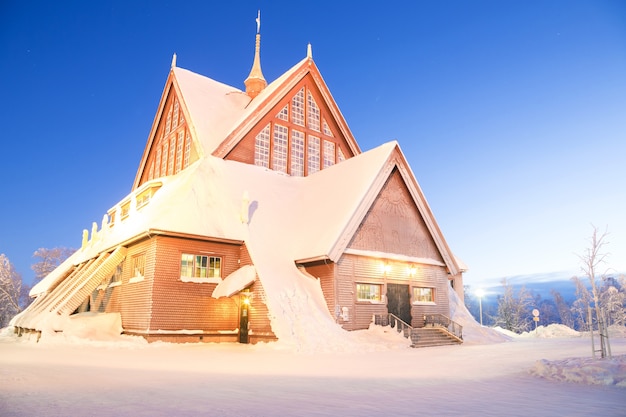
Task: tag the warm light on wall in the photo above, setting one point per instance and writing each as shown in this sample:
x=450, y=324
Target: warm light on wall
x=386, y=268
x=412, y=270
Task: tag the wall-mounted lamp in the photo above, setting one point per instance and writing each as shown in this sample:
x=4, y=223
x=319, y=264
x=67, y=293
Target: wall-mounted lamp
x=412, y=270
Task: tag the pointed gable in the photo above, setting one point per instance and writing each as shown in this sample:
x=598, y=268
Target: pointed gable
x=355, y=195
x=194, y=115
x=394, y=224
x=293, y=126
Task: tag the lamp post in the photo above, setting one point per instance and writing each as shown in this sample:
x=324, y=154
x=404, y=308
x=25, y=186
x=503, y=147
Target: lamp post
x=480, y=293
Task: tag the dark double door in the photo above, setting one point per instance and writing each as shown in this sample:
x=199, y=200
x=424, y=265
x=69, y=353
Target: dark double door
x=399, y=301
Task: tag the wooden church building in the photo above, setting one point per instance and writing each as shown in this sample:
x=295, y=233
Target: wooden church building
x=255, y=216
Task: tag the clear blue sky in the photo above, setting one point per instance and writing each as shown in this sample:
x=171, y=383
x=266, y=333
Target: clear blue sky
x=512, y=114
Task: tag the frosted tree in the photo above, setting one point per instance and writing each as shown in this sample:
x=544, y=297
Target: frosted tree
x=563, y=309
x=592, y=260
x=513, y=311
x=581, y=306
x=49, y=259
x=613, y=300
x=10, y=291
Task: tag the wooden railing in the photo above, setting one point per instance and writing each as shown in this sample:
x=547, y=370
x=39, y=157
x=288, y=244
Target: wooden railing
x=439, y=320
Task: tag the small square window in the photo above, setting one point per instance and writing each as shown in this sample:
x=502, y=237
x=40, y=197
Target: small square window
x=423, y=295
x=368, y=292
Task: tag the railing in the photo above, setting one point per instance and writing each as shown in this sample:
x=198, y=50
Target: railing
x=395, y=322
x=439, y=320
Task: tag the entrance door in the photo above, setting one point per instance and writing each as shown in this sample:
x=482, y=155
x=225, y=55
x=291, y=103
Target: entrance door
x=244, y=304
x=399, y=301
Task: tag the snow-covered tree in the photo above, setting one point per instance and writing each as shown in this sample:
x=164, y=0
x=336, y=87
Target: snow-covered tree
x=49, y=259
x=582, y=304
x=592, y=260
x=10, y=290
x=563, y=309
x=514, y=310
x=613, y=300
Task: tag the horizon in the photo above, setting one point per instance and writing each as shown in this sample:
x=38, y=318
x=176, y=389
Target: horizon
x=510, y=115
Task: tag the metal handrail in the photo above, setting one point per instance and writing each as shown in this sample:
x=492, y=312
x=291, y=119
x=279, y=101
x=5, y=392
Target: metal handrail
x=444, y=321
x=392, y=320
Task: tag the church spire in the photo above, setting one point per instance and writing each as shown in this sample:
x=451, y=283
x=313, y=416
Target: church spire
x=255, y=81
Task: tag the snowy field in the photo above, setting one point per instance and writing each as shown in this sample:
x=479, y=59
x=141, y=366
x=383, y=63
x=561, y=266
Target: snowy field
x=544, y=373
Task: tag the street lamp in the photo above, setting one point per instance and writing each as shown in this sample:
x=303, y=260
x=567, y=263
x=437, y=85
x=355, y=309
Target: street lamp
x=480, y=293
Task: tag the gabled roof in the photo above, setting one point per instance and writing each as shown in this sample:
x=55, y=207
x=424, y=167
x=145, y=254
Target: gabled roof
x=349, y=190
x=220, y=115
x=274, y=93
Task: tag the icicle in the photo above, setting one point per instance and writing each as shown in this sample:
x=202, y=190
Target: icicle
x=85, y=239
x=94, y=232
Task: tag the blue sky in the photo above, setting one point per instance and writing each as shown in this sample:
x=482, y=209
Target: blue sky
x=512, y=114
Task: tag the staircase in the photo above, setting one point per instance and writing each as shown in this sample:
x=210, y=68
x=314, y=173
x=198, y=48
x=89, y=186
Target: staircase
x=439, y=330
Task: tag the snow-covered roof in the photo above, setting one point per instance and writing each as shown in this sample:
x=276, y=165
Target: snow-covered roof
x=213, y=107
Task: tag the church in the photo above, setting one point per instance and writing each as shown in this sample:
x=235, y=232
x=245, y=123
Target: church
x=254, y=216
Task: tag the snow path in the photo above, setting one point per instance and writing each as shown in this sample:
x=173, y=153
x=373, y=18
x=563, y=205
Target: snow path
x=100, y=379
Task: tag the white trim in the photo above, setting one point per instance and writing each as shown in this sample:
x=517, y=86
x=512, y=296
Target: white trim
x=393, y=256
x=198, y=280
x=136, y=278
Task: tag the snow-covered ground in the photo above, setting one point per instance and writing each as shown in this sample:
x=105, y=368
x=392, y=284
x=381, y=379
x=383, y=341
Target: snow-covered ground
x=547, y=372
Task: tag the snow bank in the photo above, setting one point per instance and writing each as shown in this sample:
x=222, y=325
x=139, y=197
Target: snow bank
x=552, y=330
x=584, y=370
x=473, y=332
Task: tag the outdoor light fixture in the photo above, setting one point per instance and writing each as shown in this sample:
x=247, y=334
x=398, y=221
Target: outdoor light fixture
x=480, y=293
x=412, y=270
x=245, y=297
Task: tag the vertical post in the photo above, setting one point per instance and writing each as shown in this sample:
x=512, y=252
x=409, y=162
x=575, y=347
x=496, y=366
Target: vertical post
x=593, y=348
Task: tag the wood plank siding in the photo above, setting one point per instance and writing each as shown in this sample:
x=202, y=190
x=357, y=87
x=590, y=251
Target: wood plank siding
x=162, y=306
x=406, y=254
x=327, y=131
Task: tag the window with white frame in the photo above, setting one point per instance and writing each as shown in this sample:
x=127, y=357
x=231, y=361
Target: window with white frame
x=368, y=292
x=340, y=156
x=313, y=158
x=423, y=295
x=200, y=266
x=164, y=154
x=297, y=108
x=139, y=265
x=284, y=113
x=175, y=118
x=168, y=123
x=262, y=148
x=187, y=150
x=329, y=154
x=327, y=131
x=297, y=153
x=179, y=150
x=279, y=157
x=312, y=113
x=170, y=161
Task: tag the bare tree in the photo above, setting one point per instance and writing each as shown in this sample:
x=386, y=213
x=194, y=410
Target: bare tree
x=514, y=309
x=10, y=290
x=49, y=259
x=565, y=314
x=591, y=261
x=580, y=307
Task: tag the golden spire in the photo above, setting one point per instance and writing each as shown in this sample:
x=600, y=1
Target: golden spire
x=255, y=81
